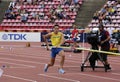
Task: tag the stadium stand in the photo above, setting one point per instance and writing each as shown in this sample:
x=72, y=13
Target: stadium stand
x=109, y=15
x=40, y=14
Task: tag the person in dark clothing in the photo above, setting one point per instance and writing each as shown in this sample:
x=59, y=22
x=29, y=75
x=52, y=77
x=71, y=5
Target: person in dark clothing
x=104, y=44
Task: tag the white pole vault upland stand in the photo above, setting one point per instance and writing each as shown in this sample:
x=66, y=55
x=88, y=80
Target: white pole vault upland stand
x=83, y=45
x=83, y=51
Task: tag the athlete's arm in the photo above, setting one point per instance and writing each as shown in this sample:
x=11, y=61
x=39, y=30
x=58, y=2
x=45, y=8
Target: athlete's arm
x=62, y=39
x=45, y=39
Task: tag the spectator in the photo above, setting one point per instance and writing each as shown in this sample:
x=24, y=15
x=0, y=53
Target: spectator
x=12, y=4
x=29, y=2
x=72, y=8
x=65, y=16
x=18, y=8
x=9, y=10
x=24, y=16
x=42, y=5
x=41, y=15
x=50, y=0
x=96, y=15
x=76, y=2
x=10, y=16
x=33, y=14
x=37, y=16
x=53, y=17
x=67, y=2
x=74, y=36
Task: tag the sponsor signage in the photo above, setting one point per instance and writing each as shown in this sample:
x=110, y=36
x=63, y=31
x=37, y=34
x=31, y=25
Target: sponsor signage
x=80, y=37
x=20, y=37
x=68, y=36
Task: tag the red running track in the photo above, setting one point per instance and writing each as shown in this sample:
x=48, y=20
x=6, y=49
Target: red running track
x=25, y=64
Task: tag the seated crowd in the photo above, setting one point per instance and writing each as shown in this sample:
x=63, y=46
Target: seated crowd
x=107, y=15
x=25, y=11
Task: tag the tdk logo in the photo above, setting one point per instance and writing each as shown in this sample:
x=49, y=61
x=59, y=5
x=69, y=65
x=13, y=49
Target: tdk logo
x=4, y=36
x=14, y=36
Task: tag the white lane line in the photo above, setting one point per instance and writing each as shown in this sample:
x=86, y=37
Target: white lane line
x=30, y=62
x=26, y=61
x=60, y=78
x=12, y=46
x=18, y=64
x=45, y=58
x=44, y=55
x=31, y=56
x=70, y=56
x=22, y=60
x=116, y=73
x=95, y=76
x=29, y=80
x=19, y=67
x=37, y=57
x=115, y=60
x=78, y=62
x=23, y=46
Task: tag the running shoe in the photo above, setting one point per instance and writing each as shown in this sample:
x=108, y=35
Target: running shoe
x=46, y=68
x=61, y=71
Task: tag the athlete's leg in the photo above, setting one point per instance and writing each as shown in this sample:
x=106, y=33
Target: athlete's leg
x=61, y=53
x=52, y=60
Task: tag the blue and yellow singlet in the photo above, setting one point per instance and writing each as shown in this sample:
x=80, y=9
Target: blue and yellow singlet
x=56, y=38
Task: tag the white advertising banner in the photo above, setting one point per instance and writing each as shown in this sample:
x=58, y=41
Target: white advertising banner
x=20, y=36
